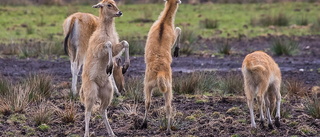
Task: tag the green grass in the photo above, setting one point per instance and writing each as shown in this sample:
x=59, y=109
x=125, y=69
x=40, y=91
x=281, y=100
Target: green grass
x=45, y=22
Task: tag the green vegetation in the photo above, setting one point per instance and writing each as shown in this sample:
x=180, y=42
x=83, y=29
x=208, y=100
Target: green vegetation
x=313, y=106
x=284, y=46
x=43, y=23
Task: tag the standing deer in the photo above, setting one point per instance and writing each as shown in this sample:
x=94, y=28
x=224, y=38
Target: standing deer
x=78, y=28
x=161, y=38
x=96, y=80
x=262, y=79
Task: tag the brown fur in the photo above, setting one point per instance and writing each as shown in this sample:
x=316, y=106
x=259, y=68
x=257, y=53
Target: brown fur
x=96, y=81
x=262, y=78
x=161, y=39
x=76, y=44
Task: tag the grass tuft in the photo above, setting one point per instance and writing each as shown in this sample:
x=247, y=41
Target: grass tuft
x=40, y=86
x=232, y=83
x=284, y=46
x=224, y=47
x=43, y=114
x=134, y=87
x=195, y=83
x=280, y=19
x=294, y=87
x=303, y=21
x=313, y=106
x=209, y=24
x=136, y=45
x=69, y=114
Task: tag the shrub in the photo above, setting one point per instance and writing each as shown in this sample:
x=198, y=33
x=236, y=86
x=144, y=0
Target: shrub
x=209, y=24
x=284, y=46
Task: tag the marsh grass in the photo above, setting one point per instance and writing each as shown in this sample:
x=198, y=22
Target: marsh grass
x=284, y=46
x=232, y=83
x=15, y=97
x=69, y=112
x=136, y=45
x=194, y=83
x=43, y=114
x=313, y=106
x=316, y=26
x=224, y=47
x=40, y=86
x=295, y=88
x=303, y=21
x=134, y=87
x=280, y=19
x=209, y=23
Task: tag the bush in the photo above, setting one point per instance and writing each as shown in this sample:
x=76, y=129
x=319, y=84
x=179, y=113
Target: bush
x=284, y=46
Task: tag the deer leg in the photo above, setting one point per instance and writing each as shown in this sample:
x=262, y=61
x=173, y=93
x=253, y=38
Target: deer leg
x=177, y=42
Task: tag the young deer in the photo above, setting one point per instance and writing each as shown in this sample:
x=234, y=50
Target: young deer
x=78, y=28
x=161, y=38
x=262, y=78
x=96, y=83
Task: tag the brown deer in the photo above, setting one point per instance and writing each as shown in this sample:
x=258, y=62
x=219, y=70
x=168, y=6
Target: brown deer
x=96, y=80
x=78, y=28
x=161, y=38
x=262, y=79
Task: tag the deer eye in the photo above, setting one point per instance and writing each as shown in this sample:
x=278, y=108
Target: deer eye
x=109, y=5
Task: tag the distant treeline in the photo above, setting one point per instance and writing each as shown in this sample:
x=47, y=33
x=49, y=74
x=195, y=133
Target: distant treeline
x=63, y=2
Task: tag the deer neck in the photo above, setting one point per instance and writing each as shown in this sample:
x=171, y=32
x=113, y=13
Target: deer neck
x=169, y=13
x=107, y=25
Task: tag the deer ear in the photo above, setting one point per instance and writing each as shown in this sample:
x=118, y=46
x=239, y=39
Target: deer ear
x=99, y=5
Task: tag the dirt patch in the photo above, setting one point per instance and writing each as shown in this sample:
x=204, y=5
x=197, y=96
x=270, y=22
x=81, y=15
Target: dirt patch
x=216, y=116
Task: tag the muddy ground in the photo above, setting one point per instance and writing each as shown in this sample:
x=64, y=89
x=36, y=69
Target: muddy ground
x=215, y=116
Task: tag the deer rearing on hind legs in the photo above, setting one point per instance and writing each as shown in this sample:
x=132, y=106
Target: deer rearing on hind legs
x=161, y=39
x=78, y=29
x=262, y=79
x=96, y=80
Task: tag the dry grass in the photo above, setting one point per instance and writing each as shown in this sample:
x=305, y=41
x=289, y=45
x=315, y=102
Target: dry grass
x=232, y=83
x=134, y=86
x=294, y=87
x=68, y=114
x=43, y=114
x=16, y=97
x=194, y=83
x=313, y=106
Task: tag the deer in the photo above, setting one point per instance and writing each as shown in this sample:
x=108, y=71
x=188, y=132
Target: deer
x=262, y=79
x=162, y=37
x=98, y=65
x=78, y=28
